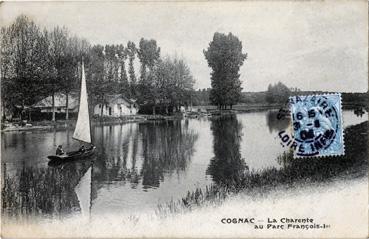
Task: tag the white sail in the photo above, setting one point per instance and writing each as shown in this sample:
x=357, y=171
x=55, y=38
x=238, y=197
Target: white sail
x=82, y=131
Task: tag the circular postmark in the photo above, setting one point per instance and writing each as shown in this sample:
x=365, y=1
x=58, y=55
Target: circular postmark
x=315, y=123
x=316, y=126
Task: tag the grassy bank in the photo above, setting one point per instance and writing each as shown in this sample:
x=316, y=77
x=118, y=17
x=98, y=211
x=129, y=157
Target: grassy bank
x=294, y=173
x=325, y=204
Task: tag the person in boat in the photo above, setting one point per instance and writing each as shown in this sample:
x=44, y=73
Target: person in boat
x=82, y=149
x=59, y=150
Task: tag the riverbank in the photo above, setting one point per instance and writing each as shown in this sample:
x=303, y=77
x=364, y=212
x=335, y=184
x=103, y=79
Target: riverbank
x=239, y=107
x=322, y=203
x=295, y=173
x=64, y=124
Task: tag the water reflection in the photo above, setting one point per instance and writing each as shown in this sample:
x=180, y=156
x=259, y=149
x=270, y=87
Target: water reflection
x=298, y=172
x=143, y=153
x=36, y=191
x=139, y=165
x=227, y=167
x=274, y=123
x=114, y=145
x=167, y=148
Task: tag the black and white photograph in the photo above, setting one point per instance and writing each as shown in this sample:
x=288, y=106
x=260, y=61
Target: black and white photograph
x=184, y=119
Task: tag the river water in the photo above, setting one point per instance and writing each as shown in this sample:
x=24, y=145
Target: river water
x=138, y=165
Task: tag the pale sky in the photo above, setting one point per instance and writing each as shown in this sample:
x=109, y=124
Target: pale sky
x=312, y=45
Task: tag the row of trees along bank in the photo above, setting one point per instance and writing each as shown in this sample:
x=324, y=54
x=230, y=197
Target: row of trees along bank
x=37, y=63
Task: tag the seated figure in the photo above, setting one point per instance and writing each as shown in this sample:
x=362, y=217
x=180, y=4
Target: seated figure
x=59, y=150
x=82, y=149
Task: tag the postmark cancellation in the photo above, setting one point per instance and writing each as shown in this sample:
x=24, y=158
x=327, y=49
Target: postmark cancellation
x=317, y=125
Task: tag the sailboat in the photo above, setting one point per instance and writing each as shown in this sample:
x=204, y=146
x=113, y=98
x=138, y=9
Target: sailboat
x=82, y=131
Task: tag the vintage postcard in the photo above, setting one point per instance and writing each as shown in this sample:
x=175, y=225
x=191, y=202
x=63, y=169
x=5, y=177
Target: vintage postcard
x=184, y=119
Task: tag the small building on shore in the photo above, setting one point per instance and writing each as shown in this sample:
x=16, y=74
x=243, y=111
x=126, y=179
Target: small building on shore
x=46, y=105
x=116, y=106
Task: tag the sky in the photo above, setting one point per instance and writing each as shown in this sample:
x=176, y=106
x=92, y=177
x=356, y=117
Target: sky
x=311, y=45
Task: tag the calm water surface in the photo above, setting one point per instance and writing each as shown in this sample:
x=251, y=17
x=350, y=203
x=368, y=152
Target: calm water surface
x=138, y=165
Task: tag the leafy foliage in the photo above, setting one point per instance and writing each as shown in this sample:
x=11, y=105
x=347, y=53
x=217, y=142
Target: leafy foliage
x=38, y=63
x=225, y=57
x=277, y=93
x=149, y=55
x=131, y=51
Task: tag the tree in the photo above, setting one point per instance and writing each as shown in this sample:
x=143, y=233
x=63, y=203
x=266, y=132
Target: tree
x=224, y=55
x=162, y=83
x=173, y=83
x=148, y=54
x=39, y=63
x=122, y=54
x=58, y=56
x=99, y=87
x=76, y=50
x=21, y=64
x=184, y=82
x=201, y=97
x=131, y=51
x=277, y=93
x=111, y=63
x=36, y=64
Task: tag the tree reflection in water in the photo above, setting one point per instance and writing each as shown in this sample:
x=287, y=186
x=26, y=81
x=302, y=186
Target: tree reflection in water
x=114, y=143
x=275, y=123
x=144, y=153
x=295, y=172
x=227, y=168
x=31, y=191
x=167, y=148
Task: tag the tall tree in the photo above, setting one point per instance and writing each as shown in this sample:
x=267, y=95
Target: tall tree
x=173, y=83
x=123, y=80
x=111, y=63
x=148, y=54
x=184, y=82
x=21, y=61
x=122, y=54
x=99, y=87
x=76, y=50
x=58, y=52
x=224, y=55
x=131, y=51
x=69, y=75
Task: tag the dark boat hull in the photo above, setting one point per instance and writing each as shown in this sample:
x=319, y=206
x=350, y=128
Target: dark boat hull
x=71, y=156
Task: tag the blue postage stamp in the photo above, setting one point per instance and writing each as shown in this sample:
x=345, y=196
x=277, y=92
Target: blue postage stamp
x=317, y=125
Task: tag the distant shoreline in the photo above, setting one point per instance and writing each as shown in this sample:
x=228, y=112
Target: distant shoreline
x=197, y=111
